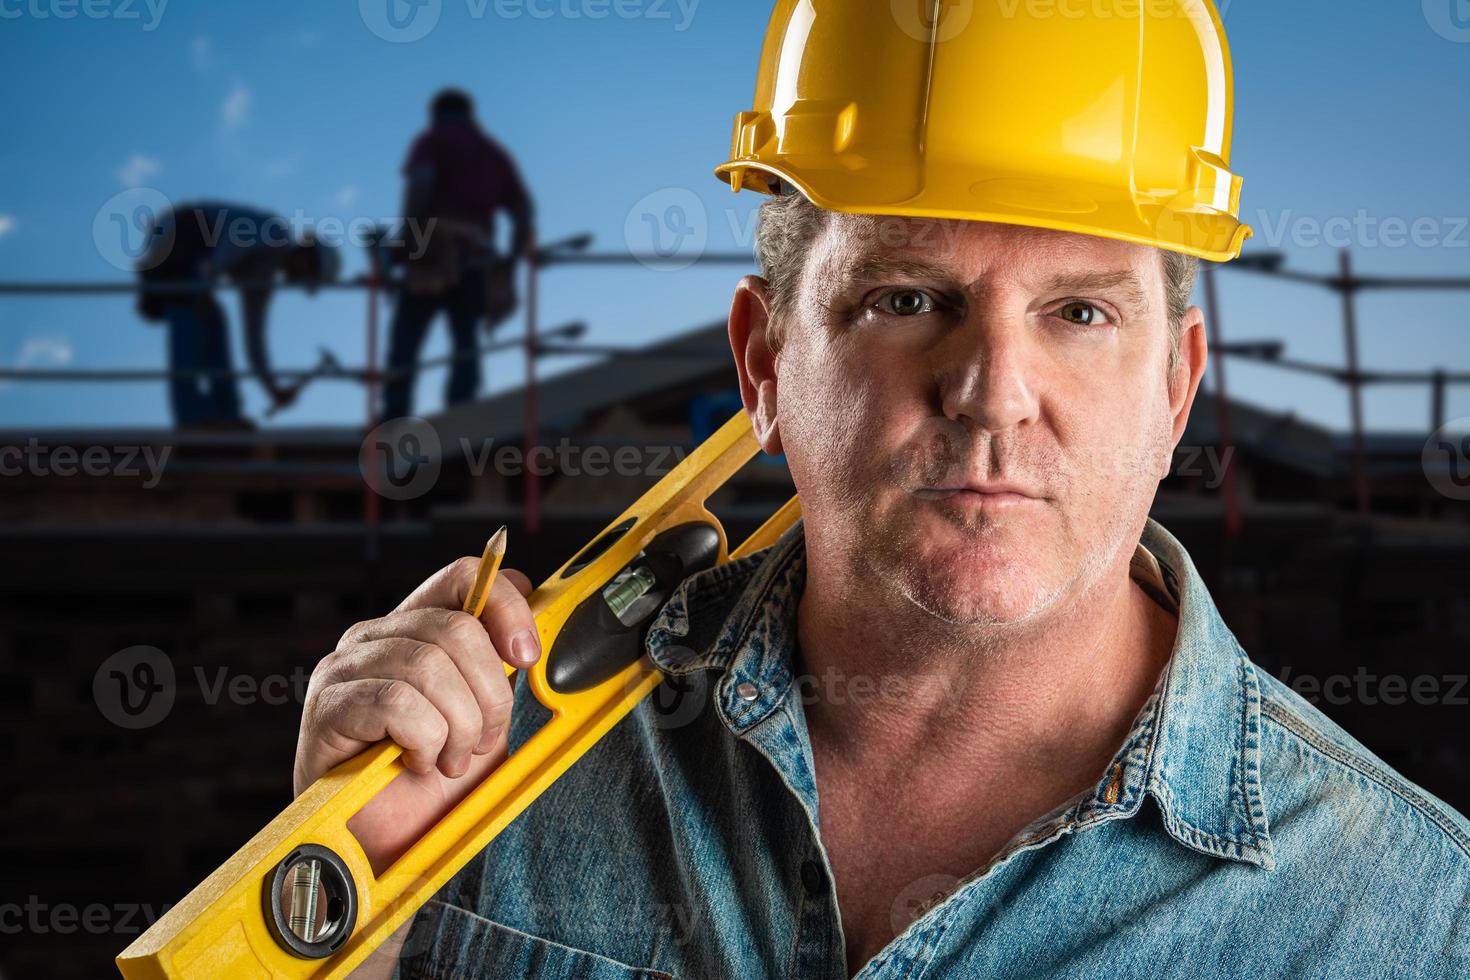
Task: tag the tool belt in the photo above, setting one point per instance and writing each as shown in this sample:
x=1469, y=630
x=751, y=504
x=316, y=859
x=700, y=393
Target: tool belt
x=449, y=247
x=454, y=250
x=500, y=291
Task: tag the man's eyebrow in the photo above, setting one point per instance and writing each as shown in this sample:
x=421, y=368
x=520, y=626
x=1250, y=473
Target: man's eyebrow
x=882, y=268
x=1124, y=281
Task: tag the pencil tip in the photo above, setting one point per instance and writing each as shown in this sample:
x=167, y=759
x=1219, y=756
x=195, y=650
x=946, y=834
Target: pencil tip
x=497, y=541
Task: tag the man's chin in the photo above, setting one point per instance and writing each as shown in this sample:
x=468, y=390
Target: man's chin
x=968, y=602
x=972, y=581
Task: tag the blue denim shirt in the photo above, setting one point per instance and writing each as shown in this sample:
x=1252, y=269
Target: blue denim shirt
x=1237, y=833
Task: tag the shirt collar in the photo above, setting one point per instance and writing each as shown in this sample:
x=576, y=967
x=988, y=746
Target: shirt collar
x=750, y=642
x=1194, y=747
x=1202, y=726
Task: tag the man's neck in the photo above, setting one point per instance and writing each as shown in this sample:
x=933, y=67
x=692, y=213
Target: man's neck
x=895, y=693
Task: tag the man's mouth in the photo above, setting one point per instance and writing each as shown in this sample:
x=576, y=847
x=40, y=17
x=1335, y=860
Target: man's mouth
x=988, y=496
x=984, y=500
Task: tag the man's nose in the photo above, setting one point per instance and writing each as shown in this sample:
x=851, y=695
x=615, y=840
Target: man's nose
x=986, y=369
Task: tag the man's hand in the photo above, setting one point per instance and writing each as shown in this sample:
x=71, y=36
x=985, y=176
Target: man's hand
x=430, y=677
x=283, y=396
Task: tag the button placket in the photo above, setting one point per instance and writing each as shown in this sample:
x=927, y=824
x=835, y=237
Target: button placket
x=813, y=879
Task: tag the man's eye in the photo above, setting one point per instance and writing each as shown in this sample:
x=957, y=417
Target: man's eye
x=1083, y=314
x=906, y=302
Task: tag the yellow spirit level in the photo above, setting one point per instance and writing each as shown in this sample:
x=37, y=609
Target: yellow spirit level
x=300, y=900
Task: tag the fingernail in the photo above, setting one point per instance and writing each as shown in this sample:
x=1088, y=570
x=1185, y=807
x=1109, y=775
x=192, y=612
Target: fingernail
x=524, y=647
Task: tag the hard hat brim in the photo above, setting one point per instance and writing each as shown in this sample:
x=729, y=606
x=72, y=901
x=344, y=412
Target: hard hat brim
x=1183, y=226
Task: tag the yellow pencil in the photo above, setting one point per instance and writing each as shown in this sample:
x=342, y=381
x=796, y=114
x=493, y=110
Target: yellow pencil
x=474, y=603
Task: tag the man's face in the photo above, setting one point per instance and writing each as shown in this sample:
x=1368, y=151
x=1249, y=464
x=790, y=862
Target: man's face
x=930, y=365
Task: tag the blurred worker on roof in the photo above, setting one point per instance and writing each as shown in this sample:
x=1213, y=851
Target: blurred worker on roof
x=457, y=177
x=201, y=243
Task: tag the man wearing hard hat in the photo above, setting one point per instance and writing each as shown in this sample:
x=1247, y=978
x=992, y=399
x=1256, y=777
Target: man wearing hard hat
x=976, y=714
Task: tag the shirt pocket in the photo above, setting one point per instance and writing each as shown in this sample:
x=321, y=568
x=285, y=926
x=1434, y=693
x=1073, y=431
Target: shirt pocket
x=451, y=943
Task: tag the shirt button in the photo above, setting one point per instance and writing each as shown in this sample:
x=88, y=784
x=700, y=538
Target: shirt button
x=812, y=878
x=748, y=691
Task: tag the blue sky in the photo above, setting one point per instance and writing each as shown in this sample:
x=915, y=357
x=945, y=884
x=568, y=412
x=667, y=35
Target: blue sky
x=1346, y=109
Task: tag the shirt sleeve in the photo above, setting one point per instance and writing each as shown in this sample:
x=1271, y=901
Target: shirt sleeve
x=513, y=189
x=244, y=233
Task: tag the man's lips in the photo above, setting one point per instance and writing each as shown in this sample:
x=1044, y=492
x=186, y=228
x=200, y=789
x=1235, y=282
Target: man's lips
x=986, y=495
x=993, y=487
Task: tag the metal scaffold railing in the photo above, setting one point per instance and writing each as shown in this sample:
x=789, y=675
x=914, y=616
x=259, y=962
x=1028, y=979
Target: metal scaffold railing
x=1347, y=284
x=536, y=343
x=561, y=341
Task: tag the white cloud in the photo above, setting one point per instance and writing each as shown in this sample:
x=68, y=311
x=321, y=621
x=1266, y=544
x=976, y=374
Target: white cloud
x=7, y=225
x=41, y=352
x=139, y=170
x=201, y=52
x=235, y=112
x=347, y=196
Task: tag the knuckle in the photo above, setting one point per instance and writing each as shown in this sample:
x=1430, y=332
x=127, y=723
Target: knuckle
x=500, y=697
x=498, y=711
x=509, y=603
x=353, y=633
x=327, y=669
x=465, y=630
x=394, y=695
x=311, y=704
x=423, y=661
x=466, y=722
x=463, y=567
x=323, y=688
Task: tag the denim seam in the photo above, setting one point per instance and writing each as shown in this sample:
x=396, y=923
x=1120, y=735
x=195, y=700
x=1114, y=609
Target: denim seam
x=1227, y=845
x=717, y=584
x=943, y=913
x=776, y=700
x=947, y=912
x=1303, y=730
x=521, y=933
x=813, y=826
x=1132, y=754
x=767, y=587
x=928, y=942
x=793, y=955
x=707, y=592
x=1247, y=790
x=1219, y=845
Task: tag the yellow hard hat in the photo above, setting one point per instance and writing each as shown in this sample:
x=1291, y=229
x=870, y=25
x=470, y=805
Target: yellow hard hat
x=1103, y=117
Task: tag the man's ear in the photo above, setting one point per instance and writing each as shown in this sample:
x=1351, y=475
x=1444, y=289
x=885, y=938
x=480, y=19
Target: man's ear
x=1194, y=356
x=755, y=362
